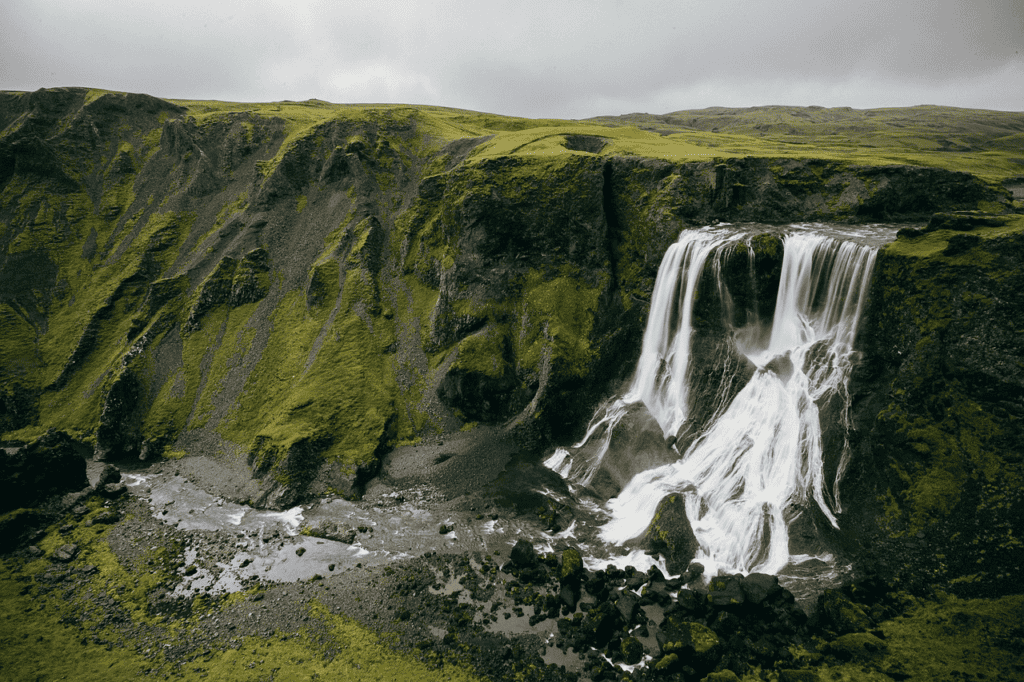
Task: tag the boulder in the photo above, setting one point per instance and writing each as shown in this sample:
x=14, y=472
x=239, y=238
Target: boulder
x=758, y=588
x=571, y=571
x=65, y=553
x=726, y=592
x=842, y=615
x=109, y=474
x=671, y=535
x=856, y=646
x=694, y=643
x=523, y=554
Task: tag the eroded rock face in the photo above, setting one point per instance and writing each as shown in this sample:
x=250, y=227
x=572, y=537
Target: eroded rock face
x=939, y=404
x=54, y=464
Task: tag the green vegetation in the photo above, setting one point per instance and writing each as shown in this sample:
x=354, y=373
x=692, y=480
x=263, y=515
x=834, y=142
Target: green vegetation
x=40, y=616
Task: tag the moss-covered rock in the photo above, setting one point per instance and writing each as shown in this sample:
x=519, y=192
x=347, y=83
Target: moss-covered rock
x=940, y=406
x=671, y=535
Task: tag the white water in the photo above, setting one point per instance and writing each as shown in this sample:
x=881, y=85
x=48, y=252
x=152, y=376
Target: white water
x=760, y=461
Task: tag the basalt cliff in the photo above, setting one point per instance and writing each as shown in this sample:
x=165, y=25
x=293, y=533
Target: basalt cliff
x=304, y=286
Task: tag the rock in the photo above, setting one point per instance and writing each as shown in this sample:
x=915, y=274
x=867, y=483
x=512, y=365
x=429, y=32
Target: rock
x=53, y=464
x=798, y=676
x=109, y=474
x=571, y=570
x=112, y=490
x=569, y=594
x=600, y=624
x=667, y=663
x=17, y=526
x=65, y=553
x=726, y=592
x=842, y=615
x=721, y=676
x=523, y=555
x=632, y=650
x=300, y=551
x=758, y=587
x=856, y=646
x=695, y=644
x=671, y=535
x=628, y=606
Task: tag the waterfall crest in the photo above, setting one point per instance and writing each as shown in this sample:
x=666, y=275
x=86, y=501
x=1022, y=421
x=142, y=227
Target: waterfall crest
x=756, y=459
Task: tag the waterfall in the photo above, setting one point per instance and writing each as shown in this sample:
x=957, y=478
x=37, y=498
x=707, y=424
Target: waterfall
x=757, y=460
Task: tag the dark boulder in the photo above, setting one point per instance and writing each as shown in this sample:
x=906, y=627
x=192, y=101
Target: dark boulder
x=671, y=535
x=759, y=588
x=694, y=643
x=841, y=615
x=52, y=465
x=726, y=592
x=523, y=554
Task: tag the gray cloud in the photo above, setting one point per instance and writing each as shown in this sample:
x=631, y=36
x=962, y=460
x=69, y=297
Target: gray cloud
x=531, y=57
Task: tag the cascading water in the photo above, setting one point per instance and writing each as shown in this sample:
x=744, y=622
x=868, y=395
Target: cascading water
x=755, y=460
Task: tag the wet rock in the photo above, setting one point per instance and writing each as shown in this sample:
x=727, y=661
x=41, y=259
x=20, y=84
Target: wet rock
x=65, y=553
x=571, y=570
x=523, y=554
x=113, y=490
x=569, y=594
x=628, y=605
x=632, y=650
x=109, y=474
x=694, y=643
x=758, y=588
x=726, y=591
x=671, y=535
x=300, y=551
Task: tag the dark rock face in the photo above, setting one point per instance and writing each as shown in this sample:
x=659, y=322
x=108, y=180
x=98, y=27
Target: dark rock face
x=939, y=404
x=52, y=465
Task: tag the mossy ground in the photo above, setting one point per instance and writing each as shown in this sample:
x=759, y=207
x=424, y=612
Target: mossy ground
x=96, y=618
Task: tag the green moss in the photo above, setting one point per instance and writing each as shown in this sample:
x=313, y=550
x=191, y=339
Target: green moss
x=484, y=352
x=300, y=206
x=557, y=314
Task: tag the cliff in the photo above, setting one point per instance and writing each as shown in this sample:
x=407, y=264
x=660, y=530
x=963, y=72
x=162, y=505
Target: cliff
x=307, y=285
x=936, y=484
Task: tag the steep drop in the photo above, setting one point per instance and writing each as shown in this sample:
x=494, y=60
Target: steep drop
x=758, y=457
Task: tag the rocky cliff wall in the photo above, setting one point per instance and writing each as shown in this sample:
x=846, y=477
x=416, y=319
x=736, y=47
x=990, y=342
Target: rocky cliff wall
x=309, y=289
x=935, y=490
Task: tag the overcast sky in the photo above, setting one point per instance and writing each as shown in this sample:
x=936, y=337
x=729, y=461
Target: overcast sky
x=536, y=58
